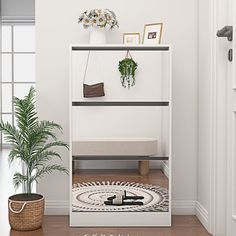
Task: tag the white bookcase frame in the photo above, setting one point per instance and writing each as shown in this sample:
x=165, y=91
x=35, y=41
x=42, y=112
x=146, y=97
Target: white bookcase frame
x=122, y=219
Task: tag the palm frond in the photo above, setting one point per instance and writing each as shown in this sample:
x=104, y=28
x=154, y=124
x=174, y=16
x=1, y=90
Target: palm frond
x=15, y=153
x=12, y=135
x=40, y=159
x=45, y=170
x=25, y=113
x=43, y=131
x=54, y=144
x=19, y=179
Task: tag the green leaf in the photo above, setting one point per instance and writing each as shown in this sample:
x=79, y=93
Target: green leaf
x=19, y=179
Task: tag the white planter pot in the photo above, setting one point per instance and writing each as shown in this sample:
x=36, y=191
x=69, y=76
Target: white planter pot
x=97, y=36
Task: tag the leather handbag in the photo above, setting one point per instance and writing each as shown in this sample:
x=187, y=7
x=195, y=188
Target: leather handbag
x=92, y=90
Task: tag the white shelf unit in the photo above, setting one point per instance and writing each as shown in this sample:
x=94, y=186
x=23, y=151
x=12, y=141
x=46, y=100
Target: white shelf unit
x=122, y=219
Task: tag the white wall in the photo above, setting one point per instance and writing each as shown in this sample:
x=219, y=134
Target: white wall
x=18, y=9
x=57, y=27
x=204, y=116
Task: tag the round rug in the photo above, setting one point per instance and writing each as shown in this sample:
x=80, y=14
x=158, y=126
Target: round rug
x=90, y=196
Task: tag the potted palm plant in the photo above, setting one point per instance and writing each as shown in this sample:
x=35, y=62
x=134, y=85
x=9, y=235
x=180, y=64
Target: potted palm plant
x=32, y=143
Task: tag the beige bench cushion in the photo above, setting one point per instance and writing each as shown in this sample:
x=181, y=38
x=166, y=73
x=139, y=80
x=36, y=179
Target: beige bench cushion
x=115, y=147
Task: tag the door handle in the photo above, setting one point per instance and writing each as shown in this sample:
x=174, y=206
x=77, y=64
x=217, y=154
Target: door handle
x=227, y=32
x=230, y=54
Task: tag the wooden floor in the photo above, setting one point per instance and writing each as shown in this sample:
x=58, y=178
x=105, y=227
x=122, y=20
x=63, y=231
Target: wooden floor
x=155, y=177
x=59, y=225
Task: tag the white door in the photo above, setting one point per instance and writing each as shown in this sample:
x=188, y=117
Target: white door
x=225, y=59
x=231, y=127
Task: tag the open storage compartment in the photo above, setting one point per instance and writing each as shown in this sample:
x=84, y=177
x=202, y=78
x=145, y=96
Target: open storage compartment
x=120, y=144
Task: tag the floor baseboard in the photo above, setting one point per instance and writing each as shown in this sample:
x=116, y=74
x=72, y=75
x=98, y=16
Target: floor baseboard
x=62, y=207
x=202, y=215
x=165, y=168
x=56, y=207
x=183, y=207
x=178, y=208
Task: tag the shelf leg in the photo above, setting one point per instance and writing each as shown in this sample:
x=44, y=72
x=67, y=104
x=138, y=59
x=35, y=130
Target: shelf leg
x=143, y=167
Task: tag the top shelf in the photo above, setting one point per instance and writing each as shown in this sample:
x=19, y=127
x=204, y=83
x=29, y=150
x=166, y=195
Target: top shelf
x=120, y=47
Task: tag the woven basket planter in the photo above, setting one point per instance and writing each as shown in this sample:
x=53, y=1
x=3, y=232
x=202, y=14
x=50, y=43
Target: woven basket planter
x=26, y=213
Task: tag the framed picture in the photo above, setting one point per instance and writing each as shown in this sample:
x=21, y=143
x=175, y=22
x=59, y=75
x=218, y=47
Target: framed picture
x=152, y=33
x=131, y=38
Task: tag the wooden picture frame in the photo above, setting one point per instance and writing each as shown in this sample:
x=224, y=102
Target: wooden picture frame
x=131, y=38
x=152, y=33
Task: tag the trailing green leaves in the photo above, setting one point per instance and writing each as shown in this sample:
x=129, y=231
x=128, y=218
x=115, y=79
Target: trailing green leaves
x=127, y=68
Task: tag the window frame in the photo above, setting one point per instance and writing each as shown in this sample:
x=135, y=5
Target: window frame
x=12, y=24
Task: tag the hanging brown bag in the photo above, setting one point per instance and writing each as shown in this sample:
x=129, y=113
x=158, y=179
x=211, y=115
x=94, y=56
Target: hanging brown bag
x=92, y=90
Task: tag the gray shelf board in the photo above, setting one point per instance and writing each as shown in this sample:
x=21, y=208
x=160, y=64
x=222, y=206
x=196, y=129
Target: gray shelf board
x=120, y=48
x=116, y=158
x=161, y=103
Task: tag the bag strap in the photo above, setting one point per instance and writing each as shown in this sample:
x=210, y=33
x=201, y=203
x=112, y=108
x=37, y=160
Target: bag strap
x=86, y=67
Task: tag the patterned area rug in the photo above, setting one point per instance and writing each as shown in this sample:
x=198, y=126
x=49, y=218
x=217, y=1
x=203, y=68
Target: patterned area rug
x=90, y=197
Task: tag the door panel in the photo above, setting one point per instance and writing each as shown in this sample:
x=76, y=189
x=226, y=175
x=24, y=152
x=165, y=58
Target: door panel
x=231, y=128
x=234, y=168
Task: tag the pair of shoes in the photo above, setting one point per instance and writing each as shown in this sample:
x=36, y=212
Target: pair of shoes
x=121, y=200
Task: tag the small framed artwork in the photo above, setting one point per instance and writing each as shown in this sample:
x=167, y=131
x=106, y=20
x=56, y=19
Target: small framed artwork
x=152, y=33
x=131, y=38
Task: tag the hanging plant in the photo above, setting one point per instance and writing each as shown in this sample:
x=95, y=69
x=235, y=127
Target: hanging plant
x=127, y=68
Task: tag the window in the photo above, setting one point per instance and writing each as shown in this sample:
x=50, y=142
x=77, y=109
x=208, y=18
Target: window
x=18, y=66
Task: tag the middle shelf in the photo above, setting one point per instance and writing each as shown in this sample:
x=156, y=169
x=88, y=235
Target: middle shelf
x=118, y=103
x=120, y=158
